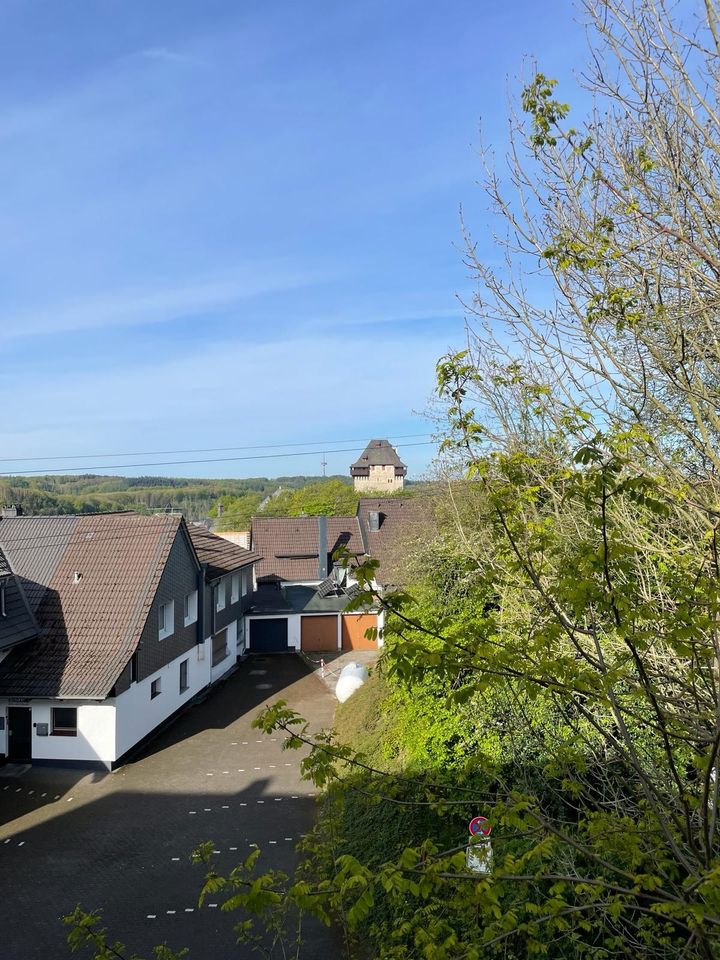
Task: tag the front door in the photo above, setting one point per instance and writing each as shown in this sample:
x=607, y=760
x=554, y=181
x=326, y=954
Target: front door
x=19, y=733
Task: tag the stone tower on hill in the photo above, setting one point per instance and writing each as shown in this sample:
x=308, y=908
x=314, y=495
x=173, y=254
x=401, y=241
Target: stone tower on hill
x=379, y=469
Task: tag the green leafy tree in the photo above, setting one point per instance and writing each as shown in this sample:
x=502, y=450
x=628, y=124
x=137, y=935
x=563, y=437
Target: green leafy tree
x=332, y=497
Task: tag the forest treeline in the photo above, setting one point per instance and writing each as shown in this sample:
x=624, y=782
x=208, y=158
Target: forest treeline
x=230, y=504
x=195, y=498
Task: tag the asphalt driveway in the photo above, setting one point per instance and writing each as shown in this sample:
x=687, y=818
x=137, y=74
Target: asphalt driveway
x=121, y=841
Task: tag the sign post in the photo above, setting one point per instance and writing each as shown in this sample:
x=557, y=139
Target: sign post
x=479, y=856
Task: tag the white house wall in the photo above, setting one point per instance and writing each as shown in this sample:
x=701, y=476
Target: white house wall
x=138, y=713
x=95, y=739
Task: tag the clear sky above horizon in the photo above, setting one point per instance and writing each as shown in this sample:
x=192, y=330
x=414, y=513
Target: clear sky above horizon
x=230, y=224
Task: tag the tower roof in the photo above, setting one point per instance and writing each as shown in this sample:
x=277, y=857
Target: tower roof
x=378, y=453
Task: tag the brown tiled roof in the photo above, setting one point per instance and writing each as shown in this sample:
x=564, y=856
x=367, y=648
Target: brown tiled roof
x=221, y=556
x=378, y=453
x=403, y=522
x=90, y=624
x=289, y=545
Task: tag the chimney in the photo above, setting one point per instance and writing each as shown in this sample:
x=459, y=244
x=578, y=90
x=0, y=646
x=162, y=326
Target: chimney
x=322, y=548
x=373, y=521
x=12, y=511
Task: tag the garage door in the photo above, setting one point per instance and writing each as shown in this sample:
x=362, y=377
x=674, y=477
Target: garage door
x=319, y=633
x=269, y=635
x=353, y=632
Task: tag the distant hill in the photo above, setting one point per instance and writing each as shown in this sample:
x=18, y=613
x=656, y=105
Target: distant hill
x=92, y=493
x=230, y=503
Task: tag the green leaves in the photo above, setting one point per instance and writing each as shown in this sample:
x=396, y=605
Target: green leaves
x=546, y=112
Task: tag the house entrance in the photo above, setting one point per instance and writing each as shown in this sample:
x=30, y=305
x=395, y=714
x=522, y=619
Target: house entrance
x=19, y=733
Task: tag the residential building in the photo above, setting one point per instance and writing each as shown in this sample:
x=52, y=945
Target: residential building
x=112, y=623
x=305, y=589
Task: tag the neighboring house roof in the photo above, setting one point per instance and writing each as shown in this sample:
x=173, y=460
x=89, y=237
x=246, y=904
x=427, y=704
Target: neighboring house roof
x=90, y=624
x=289, y=545
x=221, y=555
x=17, y=623
x=400, y=522
x=378, y=453
x=296, y=598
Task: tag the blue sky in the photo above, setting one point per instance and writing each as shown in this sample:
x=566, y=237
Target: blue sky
x=236, y=223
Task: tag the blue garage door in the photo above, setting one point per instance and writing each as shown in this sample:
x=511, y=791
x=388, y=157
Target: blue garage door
x=269, y=635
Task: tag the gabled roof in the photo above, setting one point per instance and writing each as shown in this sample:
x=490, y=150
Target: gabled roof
x=402, y=522
x=378, y=453
x=289, y=545
x=90, y=582
x=221, y=556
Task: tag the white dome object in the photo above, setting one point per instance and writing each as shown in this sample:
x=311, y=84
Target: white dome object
x=354, y=668
x=351, y=679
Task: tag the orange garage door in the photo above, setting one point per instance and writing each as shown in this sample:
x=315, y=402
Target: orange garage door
x=318, y=633
x=353, y=632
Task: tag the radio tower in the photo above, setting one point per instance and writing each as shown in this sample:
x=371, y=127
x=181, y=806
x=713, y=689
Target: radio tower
x=323, y=463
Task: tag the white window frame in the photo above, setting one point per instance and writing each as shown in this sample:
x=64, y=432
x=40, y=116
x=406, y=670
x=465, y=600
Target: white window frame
x=190, y=608
x=166, y=619
x=220, y=596
x=245, y=580
x=235, y=588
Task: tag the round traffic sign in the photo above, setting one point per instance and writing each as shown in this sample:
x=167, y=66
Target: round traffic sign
x=480, y=827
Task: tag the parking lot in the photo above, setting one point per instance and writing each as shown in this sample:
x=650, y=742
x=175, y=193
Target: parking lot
x=121, y=841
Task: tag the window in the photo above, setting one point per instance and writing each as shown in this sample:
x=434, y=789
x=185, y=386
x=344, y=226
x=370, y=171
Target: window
x=244, y=584
x=155, y=689
x=220, y=650
x=166, y=619
x=2, y=600
x=190, y=608
x=235, y=588
x=220, y=596
x=64, y=721
x=184, y=675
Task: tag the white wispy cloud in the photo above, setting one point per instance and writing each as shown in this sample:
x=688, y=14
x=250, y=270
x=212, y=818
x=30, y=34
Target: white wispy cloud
x=166, y=55
x=164, y=302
